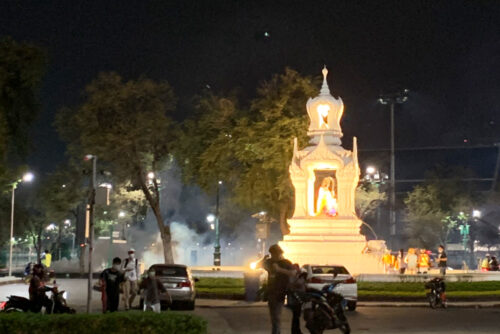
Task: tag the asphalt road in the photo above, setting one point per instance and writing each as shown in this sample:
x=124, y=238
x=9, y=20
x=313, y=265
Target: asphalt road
x=250, y=320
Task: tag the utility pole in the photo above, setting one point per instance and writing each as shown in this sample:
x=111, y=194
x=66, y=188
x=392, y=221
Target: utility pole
x=91, y=227
x=391, y=99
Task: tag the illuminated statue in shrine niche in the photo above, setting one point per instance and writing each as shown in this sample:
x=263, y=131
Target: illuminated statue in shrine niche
x=326, y=203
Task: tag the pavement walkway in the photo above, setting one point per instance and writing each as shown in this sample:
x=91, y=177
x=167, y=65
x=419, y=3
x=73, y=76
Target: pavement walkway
x=222, y=303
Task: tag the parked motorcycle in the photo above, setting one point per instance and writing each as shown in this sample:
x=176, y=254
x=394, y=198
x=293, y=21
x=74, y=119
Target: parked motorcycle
x=323, y=309
x=21, y=304
x=435, y=289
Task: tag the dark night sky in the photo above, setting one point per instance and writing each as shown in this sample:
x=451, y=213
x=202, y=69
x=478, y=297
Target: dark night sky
x=445, y=52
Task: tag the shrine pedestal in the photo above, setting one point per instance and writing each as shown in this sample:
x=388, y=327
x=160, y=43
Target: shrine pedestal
x=330, y=242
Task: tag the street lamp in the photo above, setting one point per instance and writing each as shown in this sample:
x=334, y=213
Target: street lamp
x=392, y=99
x=217, y=255
x=28, y=177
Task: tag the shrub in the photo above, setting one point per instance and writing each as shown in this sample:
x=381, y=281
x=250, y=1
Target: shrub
x=119, y=323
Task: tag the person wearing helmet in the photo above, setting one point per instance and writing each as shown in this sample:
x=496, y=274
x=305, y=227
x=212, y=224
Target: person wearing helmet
x=131, y=275
x=280, y=270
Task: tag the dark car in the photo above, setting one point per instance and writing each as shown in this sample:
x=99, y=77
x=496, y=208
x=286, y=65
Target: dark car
x=180, y=284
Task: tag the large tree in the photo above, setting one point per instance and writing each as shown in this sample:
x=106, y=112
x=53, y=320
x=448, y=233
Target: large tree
x=126, y=124
x=22, y=66
x=249, y=145
x=434, y=208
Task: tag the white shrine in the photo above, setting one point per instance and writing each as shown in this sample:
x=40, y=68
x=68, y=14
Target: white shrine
x=324, y=228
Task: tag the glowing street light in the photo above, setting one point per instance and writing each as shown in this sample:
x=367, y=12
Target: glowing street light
x=28, y=177
x=151, y=175
x=121, y=214
x=370, y=170
x=211, y=218
x=476, y=214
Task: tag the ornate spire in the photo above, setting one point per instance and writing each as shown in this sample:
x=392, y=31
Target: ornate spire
x=324, y=88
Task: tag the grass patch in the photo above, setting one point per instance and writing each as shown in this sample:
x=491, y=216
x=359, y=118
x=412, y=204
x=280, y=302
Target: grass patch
x=235, y=286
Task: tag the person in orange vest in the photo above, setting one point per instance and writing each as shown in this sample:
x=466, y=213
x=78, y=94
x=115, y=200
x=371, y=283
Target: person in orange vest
x=424, y=262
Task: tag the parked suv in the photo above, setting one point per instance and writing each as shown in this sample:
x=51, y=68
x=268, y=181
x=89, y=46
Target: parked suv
x=321, y=275
x=180, y=284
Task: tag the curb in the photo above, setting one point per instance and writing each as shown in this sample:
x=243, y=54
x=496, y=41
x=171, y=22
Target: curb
x=387, y=305
x=11, y=282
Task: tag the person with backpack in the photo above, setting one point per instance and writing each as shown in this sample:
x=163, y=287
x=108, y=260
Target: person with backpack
x=131, y=276
x=280, y=271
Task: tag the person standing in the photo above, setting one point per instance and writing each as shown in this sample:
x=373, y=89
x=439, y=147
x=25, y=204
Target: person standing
x=110, y=282
x=442, y=260
x=46, y=259
x=131, y=276
x=279, y=270
x=152, y=289
x=401, y=261
x=411, y=261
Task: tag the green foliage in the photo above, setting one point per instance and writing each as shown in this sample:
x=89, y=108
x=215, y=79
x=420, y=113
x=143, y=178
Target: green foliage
x=119, y=322
x=368, y=199
x=128, y=127
x=22, y=66
x=433, y=207
x=249, y=148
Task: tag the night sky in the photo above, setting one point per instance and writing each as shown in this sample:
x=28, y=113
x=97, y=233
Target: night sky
x=445, y=52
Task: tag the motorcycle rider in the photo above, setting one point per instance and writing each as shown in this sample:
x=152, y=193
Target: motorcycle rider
x=37, y=290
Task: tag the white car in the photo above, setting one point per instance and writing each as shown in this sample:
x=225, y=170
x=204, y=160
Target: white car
x=320, y=275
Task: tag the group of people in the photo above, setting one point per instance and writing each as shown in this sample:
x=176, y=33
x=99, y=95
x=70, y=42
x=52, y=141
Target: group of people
x=124, y=278
x=489, y=263
x=415, y=261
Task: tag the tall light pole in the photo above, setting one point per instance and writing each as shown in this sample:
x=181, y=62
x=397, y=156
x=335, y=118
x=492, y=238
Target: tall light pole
x=217, y=255
x=91, y=202
x=28, y=177
x=391, y=100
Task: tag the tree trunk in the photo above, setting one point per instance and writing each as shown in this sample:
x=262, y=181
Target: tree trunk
x=285, y=228
x=38, y=245
x=166, y=237
x=57, y=254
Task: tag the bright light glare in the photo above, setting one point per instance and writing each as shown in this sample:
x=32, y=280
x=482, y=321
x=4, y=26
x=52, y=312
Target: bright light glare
x=151, y=175
x=28, y=177
x=67, y=222
x=476, y=213
x=253, y=265
x=323, y=109
x=51, y=227
x=210, y=218
x=212, y=226
x=370, y=170
x=106, y=185
x=121, y=214
x=262, y=213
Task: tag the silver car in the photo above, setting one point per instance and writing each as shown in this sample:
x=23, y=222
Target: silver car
x=180, y=284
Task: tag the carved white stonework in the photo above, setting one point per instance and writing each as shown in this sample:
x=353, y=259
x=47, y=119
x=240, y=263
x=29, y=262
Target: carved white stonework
x=337, y=234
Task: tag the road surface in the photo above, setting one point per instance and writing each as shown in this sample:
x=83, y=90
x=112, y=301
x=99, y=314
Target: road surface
x=253, y=320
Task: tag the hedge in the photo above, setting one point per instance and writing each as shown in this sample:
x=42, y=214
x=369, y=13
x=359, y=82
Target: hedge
x=132, y=322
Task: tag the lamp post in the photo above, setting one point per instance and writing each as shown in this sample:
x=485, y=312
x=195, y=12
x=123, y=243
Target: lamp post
x=91, y=202
x=392, y=99
x=217, y=255
x=28, y=177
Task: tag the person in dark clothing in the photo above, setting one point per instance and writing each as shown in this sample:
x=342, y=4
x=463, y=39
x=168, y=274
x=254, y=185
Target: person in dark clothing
x=280, y=270
x=493, y=264
x=442, y=260
x=37, y=290
x=152, y=287
x=110, y=282
x=298, y=285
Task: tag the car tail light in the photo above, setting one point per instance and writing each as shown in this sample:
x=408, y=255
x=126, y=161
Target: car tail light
x=2, y=305
x=350, y=280
x=317, y=280
x=185, y=284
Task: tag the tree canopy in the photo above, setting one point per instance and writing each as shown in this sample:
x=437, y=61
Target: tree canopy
x=127, y=125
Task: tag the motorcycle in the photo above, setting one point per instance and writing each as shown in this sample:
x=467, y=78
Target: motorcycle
x=21, y=304
x=323, y=309
x=435, y=290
